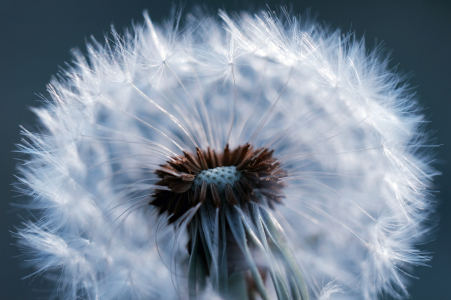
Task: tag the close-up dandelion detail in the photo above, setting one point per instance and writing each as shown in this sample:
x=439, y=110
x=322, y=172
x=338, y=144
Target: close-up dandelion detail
x=246, y=157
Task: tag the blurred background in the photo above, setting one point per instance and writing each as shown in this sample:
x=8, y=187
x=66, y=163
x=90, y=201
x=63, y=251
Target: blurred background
x=37, y=35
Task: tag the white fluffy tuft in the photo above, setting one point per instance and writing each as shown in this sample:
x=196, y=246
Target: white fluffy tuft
x=343, y=126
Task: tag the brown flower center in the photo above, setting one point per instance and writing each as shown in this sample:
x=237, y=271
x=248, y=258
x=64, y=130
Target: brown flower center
x=228, y=178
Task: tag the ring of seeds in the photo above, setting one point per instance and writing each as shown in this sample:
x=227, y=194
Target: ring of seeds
x=228, y=178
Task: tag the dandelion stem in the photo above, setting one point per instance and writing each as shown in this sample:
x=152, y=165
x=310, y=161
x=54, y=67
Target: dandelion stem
x=273, y=229
x=276, y=275
x=236, y=226
x=238, y=287
x=193, y=262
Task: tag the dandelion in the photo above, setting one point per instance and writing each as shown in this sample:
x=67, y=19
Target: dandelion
x=261, y=157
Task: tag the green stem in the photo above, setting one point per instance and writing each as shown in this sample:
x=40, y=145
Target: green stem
x=193, y=262
x=238, y=232
x=237, y=286
x=273, y=229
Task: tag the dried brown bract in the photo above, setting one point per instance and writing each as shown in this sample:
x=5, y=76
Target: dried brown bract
x=218, y=179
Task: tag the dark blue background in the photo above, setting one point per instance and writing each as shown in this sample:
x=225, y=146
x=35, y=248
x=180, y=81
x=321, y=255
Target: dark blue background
x=36, y=36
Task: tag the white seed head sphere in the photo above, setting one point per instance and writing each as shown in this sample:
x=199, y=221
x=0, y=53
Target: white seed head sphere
x=330, y=178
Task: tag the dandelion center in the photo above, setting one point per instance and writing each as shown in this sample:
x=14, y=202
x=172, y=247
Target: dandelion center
x=218, y=178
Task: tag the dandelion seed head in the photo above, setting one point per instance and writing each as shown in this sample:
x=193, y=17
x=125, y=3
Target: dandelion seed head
x=221, y=158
